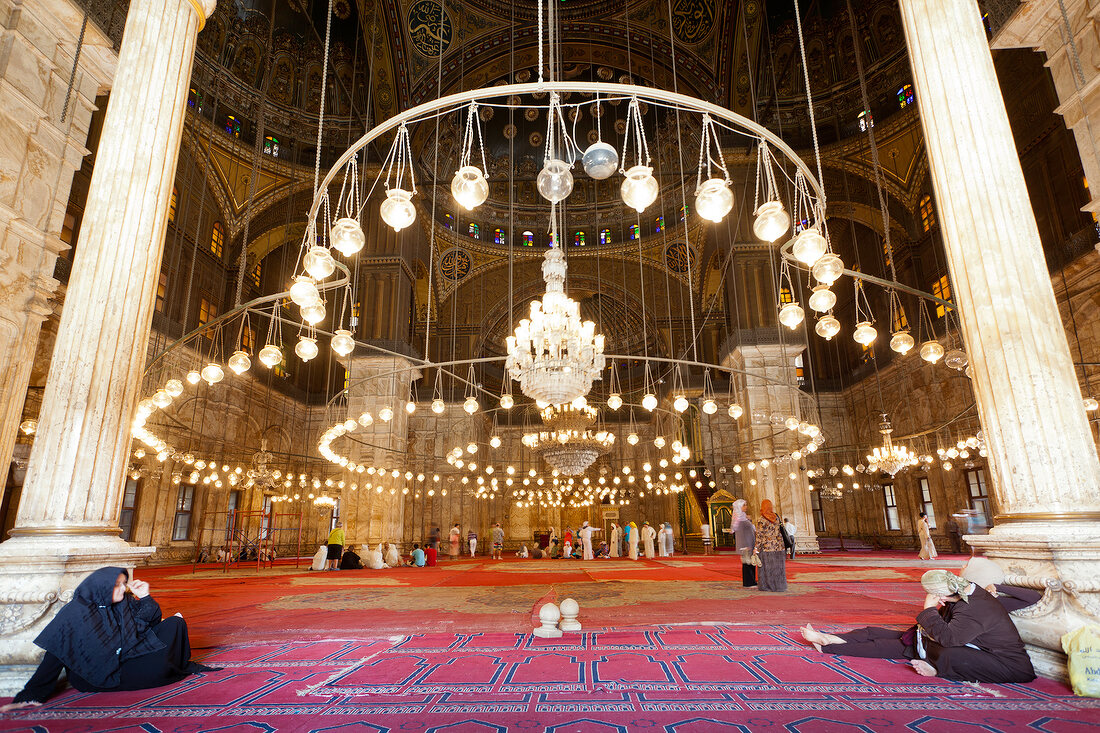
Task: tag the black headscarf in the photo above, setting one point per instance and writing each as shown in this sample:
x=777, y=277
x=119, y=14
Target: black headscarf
x=92, y=635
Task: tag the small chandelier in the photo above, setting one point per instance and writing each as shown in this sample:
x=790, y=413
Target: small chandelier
x=567, y=444
x=889, y=457
x=553, y=355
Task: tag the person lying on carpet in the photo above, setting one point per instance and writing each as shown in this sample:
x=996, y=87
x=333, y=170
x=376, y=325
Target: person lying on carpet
x=350, y=559
x=963, y=634
x=108, y=638
x=988, y=575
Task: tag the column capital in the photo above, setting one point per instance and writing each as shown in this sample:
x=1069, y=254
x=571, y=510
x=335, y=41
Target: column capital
x=204, y=9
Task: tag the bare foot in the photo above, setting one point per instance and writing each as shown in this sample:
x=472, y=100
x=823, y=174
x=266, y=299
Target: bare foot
x=814, y=637
x=18, y=706
x=923, y=668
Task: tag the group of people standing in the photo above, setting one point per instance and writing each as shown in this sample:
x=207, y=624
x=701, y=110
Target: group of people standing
x=454, y=541
x=763, y=547
x=654, y=542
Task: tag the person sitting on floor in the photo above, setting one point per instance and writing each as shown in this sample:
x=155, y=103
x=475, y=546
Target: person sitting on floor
x=108, y=638
x=522, y=552
x=392, y=556
x=418, y=559
x=320, y=558
x=350, y=560
x=430, y=555
x=962, y=634
x=989, y=576
x=602, y=550
x=537, y=553
x=373, y=558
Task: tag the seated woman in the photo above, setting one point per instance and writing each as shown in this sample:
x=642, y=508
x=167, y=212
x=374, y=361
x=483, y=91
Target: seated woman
x=109, y=638
x=350, y=560
x=963, y=633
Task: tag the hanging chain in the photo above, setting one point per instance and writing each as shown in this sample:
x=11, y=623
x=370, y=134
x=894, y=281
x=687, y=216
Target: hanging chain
x=76, y=63
x=324, y=86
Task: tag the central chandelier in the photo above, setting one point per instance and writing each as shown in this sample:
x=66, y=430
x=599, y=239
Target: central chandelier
x=567, y=444
x=553, y=355
x=889, y=457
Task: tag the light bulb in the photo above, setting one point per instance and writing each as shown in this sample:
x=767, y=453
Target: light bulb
x=347, y=236
x=792, y=423
x=649, y=402
x=827, y=327
x=270, y=355
x=865, y=333
x=956, y=359
x=318, y=262
x=600, y=160
x=735, y=411
x=366, y=420
x=822, y=299
x=438, y=406
x=772, y=221
x=303, y=292
x=161, y=398
x=410, y=407
x=306, y=348
x=632, y=439
x=809, y=246
x=828, y=269
x=313, y=313
x=469, y=187
x=901, y=342
x=555, y=180
x=710, y=406
x=398, y=210
x=1091, y=405
x=239, y=362
x=659, y=441
x=506, y=401
x=680, y=403
x=213, y=373
x=639, y=188
x=713, y=199
x=193, y=377
x=173, y=387
x=931, y=351
x=385, y=414
x=615, y=401
x=791, y=314
x=494, y=441
x=342, y=342
x=470, y=405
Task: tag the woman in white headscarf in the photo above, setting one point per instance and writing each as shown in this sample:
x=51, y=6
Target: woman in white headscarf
x=744, y=540
x=392, y=557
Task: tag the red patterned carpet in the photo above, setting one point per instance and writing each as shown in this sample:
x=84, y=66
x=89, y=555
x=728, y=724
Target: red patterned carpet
x=447, y=650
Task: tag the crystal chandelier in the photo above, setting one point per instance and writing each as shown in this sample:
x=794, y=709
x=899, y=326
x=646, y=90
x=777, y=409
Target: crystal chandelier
x=889, y=457
x=553, y=355
x=567, y=444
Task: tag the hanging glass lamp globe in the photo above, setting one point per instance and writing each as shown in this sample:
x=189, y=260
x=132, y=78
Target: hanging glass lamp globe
x=659, y=441
x=270, y=355
x=438, y=406
x=680, y=403
x=347, y=236
x=385, y=414
x=239, y=362
x=827, y=327
x=342, y=342
x=1090, y=404
x=313, y=313
x=600, y=161
x=931, y=351
x=506, y=401
x=555, y=180
x=791, y=314
x=649, y=401
x=792, y=423
x=809, y=246
x=303, y=292
x=632, y=438
x=772, y=221
x=173, y=387
x=469, y=187
x=710, y=406
x=615, y=401
x=865, y=333
x=736, y=411
x=318, y=262
x=366, y=419
x=901, y=342
x=161, y=398
x=398, y=210
x=956, y=359
x=194, y=377
x=713, y=199
x=821, y=299
x=213, y=373
x=306, y=348
x=470, y=405
x=639, y=188
x=828, y=268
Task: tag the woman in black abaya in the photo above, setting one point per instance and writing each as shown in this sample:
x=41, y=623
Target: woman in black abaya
x=108, y=638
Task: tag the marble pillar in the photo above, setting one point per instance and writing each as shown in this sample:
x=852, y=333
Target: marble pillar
x=67, y=523
x=1045, y=472
x=38, y=155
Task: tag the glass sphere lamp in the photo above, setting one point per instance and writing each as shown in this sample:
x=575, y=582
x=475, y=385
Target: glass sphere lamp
x=931, y=351
x=649, y=401
x=469, y=187
x=772, y=221
x=173, y=387
x=555, y=180
x=615, y=401
x=342, y=342
x=865, y=334
x=398, y=210
x=270, y=355
x=827, y=327
x=306, y=348
x=714, y=199
x=902, y=342
x=639, y=188
x=318, y=262
x=313, y=313
x=600, y=160
x=828, y=269
x=239, y=362
x=213, y=373
x=822, y=299
x=303, y=292
x=347, y=236
x=791, y=314
x=809, y=246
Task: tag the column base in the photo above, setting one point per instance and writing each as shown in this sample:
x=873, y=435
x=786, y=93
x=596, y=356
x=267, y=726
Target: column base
x=1058, y=558
x=38, y=574
x=806, y=545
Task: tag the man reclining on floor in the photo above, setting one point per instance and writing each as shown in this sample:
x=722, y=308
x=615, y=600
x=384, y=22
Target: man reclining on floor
x=963, y=633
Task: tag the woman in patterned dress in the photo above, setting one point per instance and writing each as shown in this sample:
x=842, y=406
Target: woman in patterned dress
x=771, y=550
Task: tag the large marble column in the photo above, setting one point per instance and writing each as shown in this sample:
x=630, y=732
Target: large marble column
x=38, y=155
x=1046, y=476
x=67, y=522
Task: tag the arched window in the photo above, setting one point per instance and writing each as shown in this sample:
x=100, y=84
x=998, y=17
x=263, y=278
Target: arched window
x=578, y=239
x=866, y=121
x=605, y=236
x=683, y=213
x=927, y=215
x=474, y=231
x=905, y=95
x=271, y=146
x=659, y=224
x=194, y=99
x=901, y=323
x=449, y=221
x=635, y=232
x=173, y=203
x=498, y=236
x=232, y=126
x=941, y=288
x=528, y=239
x=217, y=240
x=255, y=274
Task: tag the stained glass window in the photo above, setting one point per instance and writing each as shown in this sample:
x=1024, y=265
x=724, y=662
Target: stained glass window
x=683, y=213
x=866, y=120
x=927, y=214
x=659, y=224
x=217, y=240
x=528, y=239
x=578, y=239
x=232, y=126
x=271, y=146
x=474, y=231
x=635, y=232
x=605, y=236
x=498, y=236
x=905, y=96
x=942, y=290
x=449, y=221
